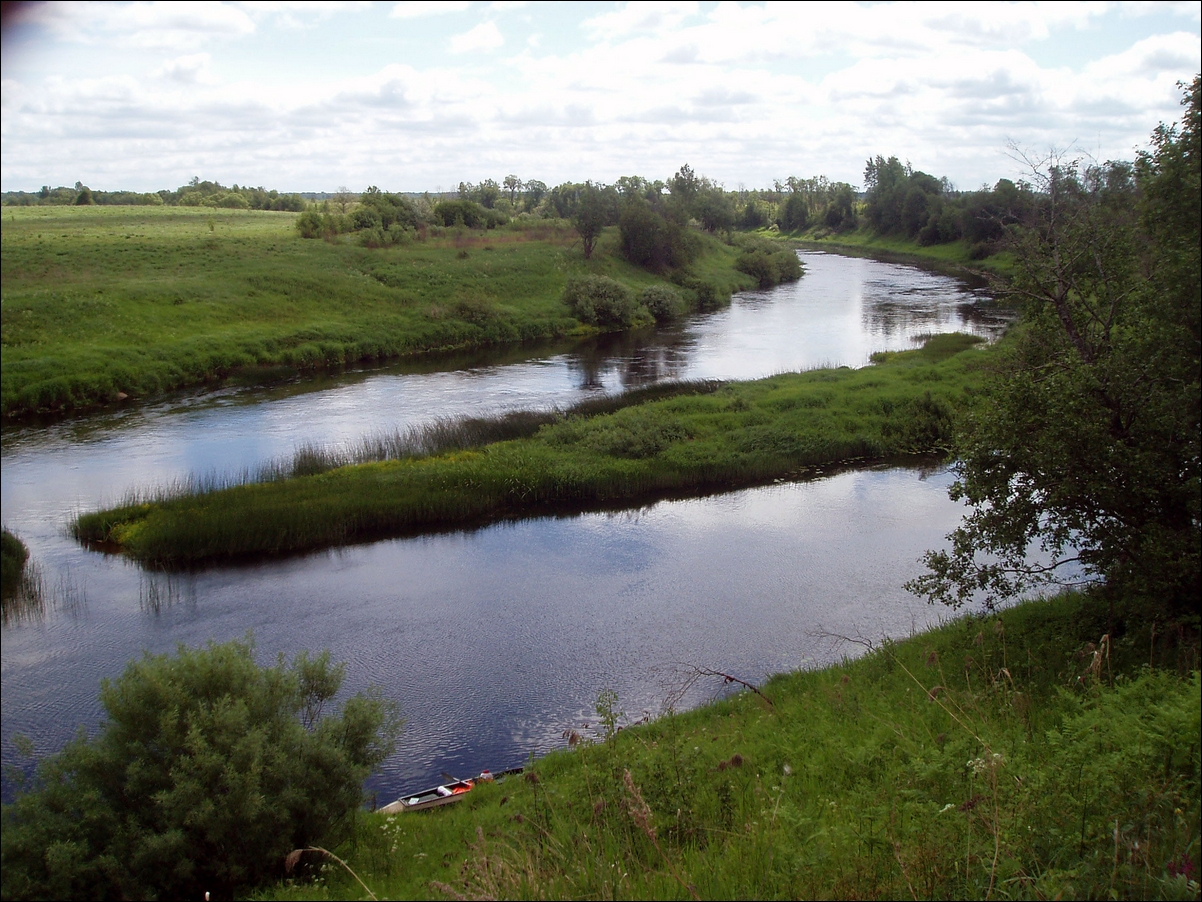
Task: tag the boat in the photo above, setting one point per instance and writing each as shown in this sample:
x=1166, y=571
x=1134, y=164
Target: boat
x=442, y=794
x=430, y=798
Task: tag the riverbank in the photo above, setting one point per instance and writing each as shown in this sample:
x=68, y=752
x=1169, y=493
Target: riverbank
x=954, y=258
x=700, y=439
x=1048, y=751
x=108, y=305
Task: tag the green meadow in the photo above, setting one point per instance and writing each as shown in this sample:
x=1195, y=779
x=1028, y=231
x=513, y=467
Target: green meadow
x=683, y=441
x=1048, y=751
x=103, y=304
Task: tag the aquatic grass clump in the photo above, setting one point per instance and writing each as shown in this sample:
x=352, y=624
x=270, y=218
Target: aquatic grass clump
x=670, y=441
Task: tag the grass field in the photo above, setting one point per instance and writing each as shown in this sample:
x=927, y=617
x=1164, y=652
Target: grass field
x=100, y=304
x=705, y=438
x=1046, y=752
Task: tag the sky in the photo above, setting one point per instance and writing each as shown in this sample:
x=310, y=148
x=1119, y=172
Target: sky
x=419, y=96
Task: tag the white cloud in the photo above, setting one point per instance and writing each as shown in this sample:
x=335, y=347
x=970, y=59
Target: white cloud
x=744, y=93
x=636, y=18
x=143, y=24
x=190, y=69
x=416, y=9
x=485, y=36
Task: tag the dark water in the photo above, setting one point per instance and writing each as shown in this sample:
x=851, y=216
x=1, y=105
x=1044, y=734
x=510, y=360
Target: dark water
x=496, y=641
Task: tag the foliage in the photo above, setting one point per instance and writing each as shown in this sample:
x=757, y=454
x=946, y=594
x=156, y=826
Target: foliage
x=600, y=301
x=13, y=555
x=769, y=264
x=651, y=240
x=988, y=758
x=662, y=302
x=590, y=217
x=1086, y=444
x=206, y=773
x=466, y=214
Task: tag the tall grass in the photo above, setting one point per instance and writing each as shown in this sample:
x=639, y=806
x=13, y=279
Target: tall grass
x=1000, y=757
x=665, y=441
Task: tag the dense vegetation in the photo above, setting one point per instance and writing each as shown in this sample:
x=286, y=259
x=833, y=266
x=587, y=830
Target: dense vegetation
x=1031, y=754
x=1089, y=438
x=206, y=773
x=714, y=438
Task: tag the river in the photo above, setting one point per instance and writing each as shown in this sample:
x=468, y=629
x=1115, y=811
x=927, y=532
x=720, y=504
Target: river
x=496, y=641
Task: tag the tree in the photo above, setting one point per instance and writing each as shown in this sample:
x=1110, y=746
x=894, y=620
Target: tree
x=1086, y=446
x=343, y=198
x=513, y=185
x=206, y=773
x=590, y=217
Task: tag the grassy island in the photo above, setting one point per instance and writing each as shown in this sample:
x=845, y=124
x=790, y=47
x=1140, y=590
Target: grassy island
x=701, y=438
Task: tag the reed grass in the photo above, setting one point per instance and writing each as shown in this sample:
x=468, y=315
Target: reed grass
x=987, y=758
x=663, y=442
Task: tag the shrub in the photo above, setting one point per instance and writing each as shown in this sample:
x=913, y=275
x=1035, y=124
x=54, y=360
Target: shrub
x=768, y=264
x=309, y=224
x=662, y=302
x=652, y=241
x=207, y=772
x=600, y=301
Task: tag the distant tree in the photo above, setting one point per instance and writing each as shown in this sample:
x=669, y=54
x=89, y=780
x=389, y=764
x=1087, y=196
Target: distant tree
x=715, y=210
x=207, y=771
x=84, y=198
x=651, y=240
x=343, y=198
x=793, y=215
x=840, y=209
x=534, y=194
x=590, y=217
x=513, y=185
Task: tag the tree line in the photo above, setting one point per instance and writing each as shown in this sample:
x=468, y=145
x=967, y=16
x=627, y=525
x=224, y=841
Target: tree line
x=896, y=200
x=196, y=193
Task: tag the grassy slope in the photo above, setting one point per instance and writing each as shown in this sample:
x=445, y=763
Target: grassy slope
x=995, y=757
x=743, y=434
x=99, y=301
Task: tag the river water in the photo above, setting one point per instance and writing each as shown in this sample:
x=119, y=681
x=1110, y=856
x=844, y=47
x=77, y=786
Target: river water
x=496, y=641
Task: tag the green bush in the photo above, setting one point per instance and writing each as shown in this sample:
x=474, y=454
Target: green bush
x=600, y=301
x=768, y=264
x=207, y=772
x=662, y=302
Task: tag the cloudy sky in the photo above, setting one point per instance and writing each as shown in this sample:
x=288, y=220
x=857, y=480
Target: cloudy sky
x=419, y=96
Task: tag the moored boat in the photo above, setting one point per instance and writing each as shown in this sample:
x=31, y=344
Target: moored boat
x=442, y=794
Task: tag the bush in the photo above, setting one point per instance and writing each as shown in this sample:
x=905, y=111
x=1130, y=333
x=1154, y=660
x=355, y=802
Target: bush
x=600, y=301
x=769, y=264
x=662, y=302
x=467, y=213
x=207, y=772
x=652, y=241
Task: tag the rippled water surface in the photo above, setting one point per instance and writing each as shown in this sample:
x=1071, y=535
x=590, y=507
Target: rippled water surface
x=496, y=641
